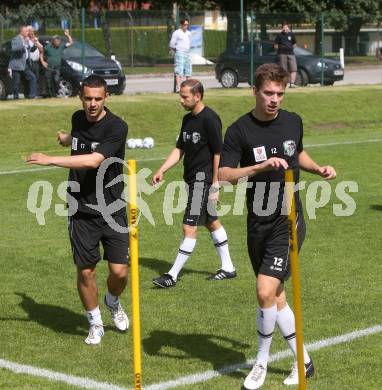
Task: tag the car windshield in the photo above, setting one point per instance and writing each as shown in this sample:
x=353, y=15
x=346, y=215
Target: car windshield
x=299, y=51
x=76, y=51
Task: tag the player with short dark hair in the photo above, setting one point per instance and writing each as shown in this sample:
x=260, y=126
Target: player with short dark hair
x=97, y=143
x=265, y=142
x=285, y=42
x=200, y=142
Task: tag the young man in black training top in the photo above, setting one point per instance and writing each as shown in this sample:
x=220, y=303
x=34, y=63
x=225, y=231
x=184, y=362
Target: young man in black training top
x=265, y=142
x=200, y=142
x=97, y=135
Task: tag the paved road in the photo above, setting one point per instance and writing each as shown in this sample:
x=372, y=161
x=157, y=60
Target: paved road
x=138, y=84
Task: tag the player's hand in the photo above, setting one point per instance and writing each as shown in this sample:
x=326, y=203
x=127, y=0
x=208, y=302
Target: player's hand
x=157, y=178
x=63, y=138
x=327, y=172
x=39, y=159
x=214, y=197
x=273, y=164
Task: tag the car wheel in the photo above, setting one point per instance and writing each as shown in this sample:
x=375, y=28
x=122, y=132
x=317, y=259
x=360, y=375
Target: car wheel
x=301, y=78
x=229, y=79
x=66, y=89
x=3, y=91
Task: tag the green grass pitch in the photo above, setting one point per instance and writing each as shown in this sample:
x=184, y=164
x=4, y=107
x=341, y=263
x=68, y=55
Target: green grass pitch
x=198, y=325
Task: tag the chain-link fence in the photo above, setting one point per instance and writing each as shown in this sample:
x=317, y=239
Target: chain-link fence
x=234, y=43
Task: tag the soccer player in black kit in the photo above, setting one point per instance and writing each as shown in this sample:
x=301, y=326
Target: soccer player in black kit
x=200, y=142
x=98, y=136
x=265, y=142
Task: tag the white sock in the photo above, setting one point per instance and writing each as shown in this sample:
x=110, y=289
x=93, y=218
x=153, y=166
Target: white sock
x=94, y=316
x=220, y=239
x=286, y=323
x=266, y=322
x=111, y=300
x=185, y=249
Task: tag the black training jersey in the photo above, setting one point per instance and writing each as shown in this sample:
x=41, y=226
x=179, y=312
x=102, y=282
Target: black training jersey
x=249, y=142
x=108, y=137
x=200, y=138
x=285, y=42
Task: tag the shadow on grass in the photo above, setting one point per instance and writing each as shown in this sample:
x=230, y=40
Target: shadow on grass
x=217, y=350
x=59, y=319
x=376, y=207
x=162, y=266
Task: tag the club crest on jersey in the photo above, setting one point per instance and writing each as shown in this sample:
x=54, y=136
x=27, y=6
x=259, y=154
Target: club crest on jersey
x=289, y=147
x=94, y=145
x=195, y=138
x=260, y=153
x=74, y=143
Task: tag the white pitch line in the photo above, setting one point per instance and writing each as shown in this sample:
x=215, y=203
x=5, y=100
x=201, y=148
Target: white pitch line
x=86, y=383
x=185, y=380
x=207, y=375
x=162, y=158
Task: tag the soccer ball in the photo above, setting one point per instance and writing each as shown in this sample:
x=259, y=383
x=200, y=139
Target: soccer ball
x=148, y=143
x=138, y=143
x=131, y=143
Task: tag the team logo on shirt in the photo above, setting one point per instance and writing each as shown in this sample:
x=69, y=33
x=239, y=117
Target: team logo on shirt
x=195, y=137
x=94, y=145
x=74, y=143
x=260, y=153
x=289, y=147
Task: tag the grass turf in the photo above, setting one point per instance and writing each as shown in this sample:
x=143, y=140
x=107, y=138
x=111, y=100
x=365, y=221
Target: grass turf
x=198, y=325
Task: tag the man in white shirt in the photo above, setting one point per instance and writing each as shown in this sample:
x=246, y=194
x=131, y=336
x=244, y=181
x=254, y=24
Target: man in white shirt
x=180, y=43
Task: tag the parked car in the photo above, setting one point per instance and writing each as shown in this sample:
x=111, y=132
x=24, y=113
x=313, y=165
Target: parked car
x=233, y=66
x=71, y=69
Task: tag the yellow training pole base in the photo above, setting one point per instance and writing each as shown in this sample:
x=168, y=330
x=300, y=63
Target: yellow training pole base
x=293, y=246
x=133, y=232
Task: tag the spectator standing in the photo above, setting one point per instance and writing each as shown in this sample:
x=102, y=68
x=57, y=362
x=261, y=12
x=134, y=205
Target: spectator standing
x=36, y=49
x=51, y=61
x=180, y=44
x=284, y=43
x=19, y=63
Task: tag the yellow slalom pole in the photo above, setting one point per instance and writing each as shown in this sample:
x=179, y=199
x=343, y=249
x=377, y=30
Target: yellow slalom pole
x=133, y=221
x=293, y=245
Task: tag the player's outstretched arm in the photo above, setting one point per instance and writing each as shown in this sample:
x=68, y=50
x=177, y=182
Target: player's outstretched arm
x=232, y=175
x=64, y=139
x=82, y=161
x=172, y=159
x=309, y=165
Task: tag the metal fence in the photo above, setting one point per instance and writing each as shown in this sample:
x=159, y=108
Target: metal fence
x=141, y=37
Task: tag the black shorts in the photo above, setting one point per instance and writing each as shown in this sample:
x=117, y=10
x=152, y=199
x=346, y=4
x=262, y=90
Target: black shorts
x=268, y=245
x=199, y=211
x=86, y=231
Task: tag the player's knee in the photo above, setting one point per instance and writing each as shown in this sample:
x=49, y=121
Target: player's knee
x=86, y=275
x=265, y=296
x=119, y=272
x=190, y=231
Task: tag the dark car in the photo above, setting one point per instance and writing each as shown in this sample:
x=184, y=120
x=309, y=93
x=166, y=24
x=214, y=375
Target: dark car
x=72, y=72
x=234, y=65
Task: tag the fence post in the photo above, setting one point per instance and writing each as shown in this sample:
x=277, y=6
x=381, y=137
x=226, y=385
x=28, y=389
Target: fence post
x=176, y=27
x=322, y=49
x=251, y=46
x=83, y=41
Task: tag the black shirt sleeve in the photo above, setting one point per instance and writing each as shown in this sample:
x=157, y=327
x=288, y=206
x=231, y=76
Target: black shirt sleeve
x=231, y=151
x=213, y=126
x=293, y=39
x=277, y=39
x=115, y=138
x=300, y=146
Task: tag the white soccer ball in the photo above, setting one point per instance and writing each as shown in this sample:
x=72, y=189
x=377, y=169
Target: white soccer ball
x=138, y=143
x=131, y=143
x=148, y=143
